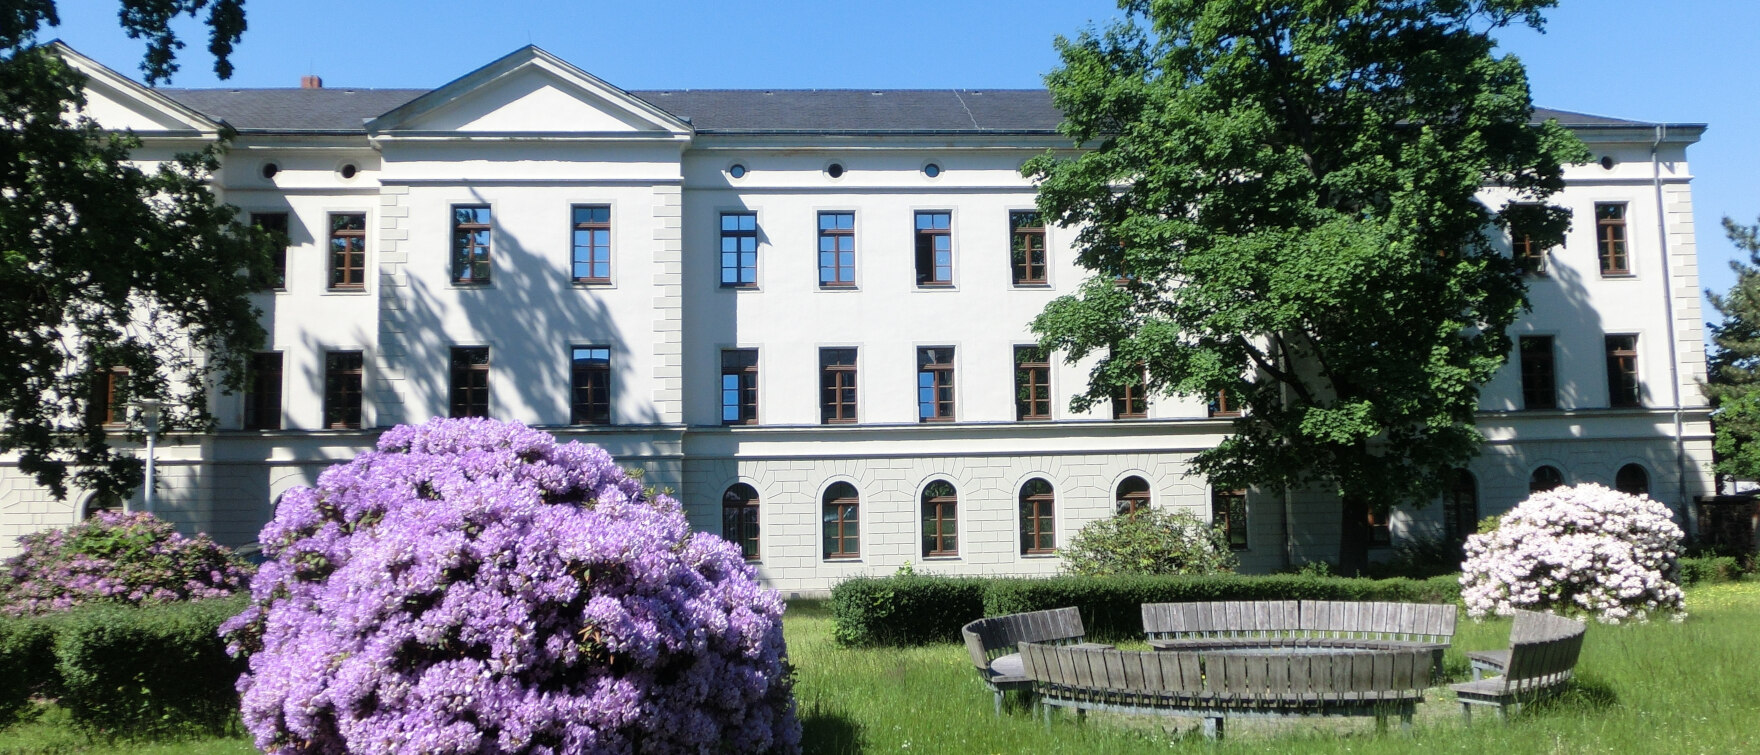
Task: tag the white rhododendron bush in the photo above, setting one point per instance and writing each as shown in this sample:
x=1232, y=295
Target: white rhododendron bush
x=1584, y=549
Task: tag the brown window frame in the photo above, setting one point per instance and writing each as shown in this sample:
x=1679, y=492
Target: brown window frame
x=468, y=254
x=589, y=383
x=1132, y=401
x=740, y=520
x=745, y=386
x=1545, y=477
x=1229, y=507
x=1624, y=390
x=592, y=227
x=262, y=403
x=344, y=380
x=841, y=517
x=1129, y=502
x=276, y=224
x=1611, y=243
x=1460, y=506
x=837, y=385
x=348, y=262
x=108, y=406
x=1223, y=404
x=1539, y=373
x=1038, y=518
x=1380, y=529
x=930, y=272
x=837, y=279
x=941, y=384
x=1032, y=384
x=940, y=520
x=1623, y=480
x=469, y=396
x=1027, y=235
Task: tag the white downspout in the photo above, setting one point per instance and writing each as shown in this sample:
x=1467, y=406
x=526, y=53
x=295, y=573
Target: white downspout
x=1688, y=516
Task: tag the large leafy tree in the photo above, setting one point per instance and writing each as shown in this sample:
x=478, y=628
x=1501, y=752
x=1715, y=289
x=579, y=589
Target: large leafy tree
x=1734, y=385
x=114, y=280
x=1278, y=201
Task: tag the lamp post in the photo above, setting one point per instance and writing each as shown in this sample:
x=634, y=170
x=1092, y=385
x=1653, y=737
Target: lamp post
x=149, y=414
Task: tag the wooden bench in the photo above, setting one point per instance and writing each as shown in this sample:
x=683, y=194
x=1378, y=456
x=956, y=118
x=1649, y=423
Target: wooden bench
x=1541, y=659
x=1218, y=686
x=993, y=643
x=1416, y=626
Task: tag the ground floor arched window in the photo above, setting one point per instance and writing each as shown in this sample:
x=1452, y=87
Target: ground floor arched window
x=739, y=518
x=1632, y=480
x=842, y=512
x=940, y=519
x=1038, y=518
x=1545, y=478
x=1133, y=495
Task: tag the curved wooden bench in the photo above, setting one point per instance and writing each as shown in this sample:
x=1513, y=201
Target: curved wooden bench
x=993, y=643
x=1217, y=686
x=1541, y=659
x=1415, y=626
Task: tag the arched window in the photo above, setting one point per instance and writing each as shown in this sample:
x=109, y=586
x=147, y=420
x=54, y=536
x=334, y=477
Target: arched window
x=842, y=512
x=1460, y=506
x=98, y=503
x=739, y=518
x=940, y=519
x=1228, y=510
x=1545, y=478
x=1632, y=480
x=1133, y=495
x=1038, y=522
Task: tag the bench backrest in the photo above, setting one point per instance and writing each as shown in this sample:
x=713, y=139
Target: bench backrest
x=1098, y=673
x=1543, y=650
x=1418, y=622
x=991, y=638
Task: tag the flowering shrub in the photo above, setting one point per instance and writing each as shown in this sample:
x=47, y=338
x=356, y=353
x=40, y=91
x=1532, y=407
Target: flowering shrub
x=1581, y=549
x=1148, y=542
x=116, y=558
x=473, y=586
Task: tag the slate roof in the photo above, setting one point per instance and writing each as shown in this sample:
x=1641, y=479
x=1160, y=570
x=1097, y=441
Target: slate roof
x=784, y=111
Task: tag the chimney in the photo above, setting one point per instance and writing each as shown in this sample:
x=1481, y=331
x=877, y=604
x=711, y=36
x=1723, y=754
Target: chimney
x=310, y=82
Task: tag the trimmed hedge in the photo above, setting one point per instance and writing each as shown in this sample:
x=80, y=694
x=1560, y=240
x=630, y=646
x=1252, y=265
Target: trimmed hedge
x=157, y=669
x=1710, y=569
x=915, y=610
x=27, y=664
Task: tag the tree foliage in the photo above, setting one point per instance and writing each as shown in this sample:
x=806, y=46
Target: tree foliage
x=106, y=265
x=1278, y=202
x=1734, y=380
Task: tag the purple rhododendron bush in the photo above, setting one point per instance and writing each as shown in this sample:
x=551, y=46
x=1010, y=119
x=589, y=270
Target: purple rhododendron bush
x=474, y=586
x=132, y=559
x=1584, y=549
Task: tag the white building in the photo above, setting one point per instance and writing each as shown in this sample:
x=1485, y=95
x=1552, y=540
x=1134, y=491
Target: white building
x=534, y=243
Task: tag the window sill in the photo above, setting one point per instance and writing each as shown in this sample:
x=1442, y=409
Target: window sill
x=937, y=287
x=469, y=285
x=934, y=420
x=842, y=559
x=591, y=283
x=943, y=557
x=845, y=422
x=359, y=291
x=1041, y=285
x=1619, y=276
x=740, y=287
x=1040, y=556
x=839, y=287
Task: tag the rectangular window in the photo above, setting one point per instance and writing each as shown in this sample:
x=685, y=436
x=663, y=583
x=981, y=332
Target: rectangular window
x=348, y=251
x=1623, y=389
x=590, y=385
x=1529, y=255
x=470, y=381
x=1132, y=401
x=935, y=385
x=837, y=386
x=1032, y=383
x=1027, y=247
x=935, y=248
x=262, y=403
x=739, y=249
x=837, y=249
x=592, y=243
x=1610, y=237
x=470, y=244
x=342, y=389
x=1228, y=510
x=1539, y=390
x=1225, y=404
x=275, y=224
x=1380, y=533
x=109, y=402
x=739, y=387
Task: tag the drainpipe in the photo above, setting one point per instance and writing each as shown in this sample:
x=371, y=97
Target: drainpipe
x=1674, y=379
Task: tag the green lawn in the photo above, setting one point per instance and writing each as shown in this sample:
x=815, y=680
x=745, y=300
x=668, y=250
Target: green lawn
x=1675, y=688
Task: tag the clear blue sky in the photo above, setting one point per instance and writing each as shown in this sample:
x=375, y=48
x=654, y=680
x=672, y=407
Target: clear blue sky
x=1678, y=61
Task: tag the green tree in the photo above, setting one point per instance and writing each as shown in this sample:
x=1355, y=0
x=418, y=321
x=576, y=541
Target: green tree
x=105, y=266
x=1734, y=381
x=1277, y=199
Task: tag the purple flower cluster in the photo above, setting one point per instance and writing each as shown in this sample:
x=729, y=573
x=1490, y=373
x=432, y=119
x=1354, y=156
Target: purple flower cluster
x=116, y=558
x=475, y=587
x=1585, y=549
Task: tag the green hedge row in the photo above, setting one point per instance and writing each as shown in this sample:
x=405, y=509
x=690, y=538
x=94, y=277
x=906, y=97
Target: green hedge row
x=914, y=610
x=126, y=670
x=1711, y=569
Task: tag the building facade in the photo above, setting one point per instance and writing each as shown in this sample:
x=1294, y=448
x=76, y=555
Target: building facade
x=806, y=313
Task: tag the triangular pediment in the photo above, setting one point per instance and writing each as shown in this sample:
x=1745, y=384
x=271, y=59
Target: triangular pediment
x=119, y=103
x=529, y=91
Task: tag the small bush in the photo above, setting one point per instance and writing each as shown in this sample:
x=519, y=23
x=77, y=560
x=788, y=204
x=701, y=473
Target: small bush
x=27, y=664
x=131, y=559
x=1585, y=549
x=908, y=609
x=1710, y=569
x=148, y=670
x=1148, y=542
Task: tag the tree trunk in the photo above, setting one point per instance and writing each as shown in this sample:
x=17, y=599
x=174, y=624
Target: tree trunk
x=1353, y=536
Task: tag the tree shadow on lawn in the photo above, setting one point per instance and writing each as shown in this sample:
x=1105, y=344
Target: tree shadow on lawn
x=1582, y=694
x=829, y=731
